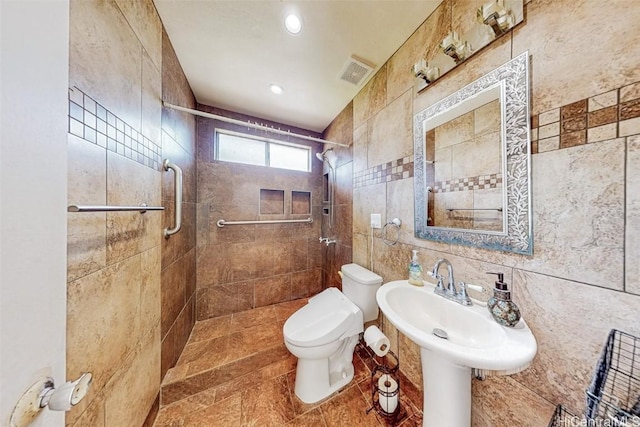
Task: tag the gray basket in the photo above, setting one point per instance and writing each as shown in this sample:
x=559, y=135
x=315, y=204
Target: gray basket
x=613, y=396
x=563, y=418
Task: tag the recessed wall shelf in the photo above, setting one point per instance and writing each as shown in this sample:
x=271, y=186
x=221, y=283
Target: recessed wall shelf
x=271, y=202
x=301, y=202
x=325, y=187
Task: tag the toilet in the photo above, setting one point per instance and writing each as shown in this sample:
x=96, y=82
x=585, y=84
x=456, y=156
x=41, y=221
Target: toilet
x=323, y=334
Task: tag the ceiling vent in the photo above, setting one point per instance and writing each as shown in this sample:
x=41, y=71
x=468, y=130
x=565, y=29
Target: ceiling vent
x=355, y=71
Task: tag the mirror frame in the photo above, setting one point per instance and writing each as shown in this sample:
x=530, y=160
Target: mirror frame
x=515, y=128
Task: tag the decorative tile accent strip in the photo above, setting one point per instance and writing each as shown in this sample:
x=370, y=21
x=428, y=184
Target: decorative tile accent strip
x=92, y=122
x=386, y=172
x=601, y=117
x=480, y=182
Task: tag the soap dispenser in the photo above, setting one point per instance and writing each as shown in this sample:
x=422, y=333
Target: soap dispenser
x=503, y=310
x=415, y=270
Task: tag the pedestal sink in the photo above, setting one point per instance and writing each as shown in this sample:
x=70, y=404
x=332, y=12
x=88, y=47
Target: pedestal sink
x=474, y=340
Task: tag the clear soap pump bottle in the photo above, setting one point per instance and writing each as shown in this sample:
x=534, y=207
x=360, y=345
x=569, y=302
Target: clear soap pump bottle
x=415, y=270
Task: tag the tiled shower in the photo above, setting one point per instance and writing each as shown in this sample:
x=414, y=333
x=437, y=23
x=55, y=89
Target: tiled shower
x=245, y=266
x=140, y=295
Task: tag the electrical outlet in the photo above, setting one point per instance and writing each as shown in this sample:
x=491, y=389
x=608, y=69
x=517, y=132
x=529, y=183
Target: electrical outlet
x=376, y=221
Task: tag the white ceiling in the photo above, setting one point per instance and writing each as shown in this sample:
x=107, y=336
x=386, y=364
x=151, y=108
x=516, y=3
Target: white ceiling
x=231, y=50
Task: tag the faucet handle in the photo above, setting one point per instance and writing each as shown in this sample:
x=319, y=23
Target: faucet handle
x=463, y=295
x=463, y=290
x=451, y=289
x=440, y=285
x=440, y=282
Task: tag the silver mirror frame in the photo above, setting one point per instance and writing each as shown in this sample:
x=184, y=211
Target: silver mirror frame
x=518, y=238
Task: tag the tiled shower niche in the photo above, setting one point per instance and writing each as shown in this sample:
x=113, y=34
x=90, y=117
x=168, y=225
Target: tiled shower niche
x=325, y=187
x=271, y=202
x=301, y=203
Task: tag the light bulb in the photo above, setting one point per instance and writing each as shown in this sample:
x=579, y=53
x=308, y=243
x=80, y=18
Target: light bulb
x=293, y=24
x=277, y=89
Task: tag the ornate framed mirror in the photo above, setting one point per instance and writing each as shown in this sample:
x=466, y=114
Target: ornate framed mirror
x=473, y=163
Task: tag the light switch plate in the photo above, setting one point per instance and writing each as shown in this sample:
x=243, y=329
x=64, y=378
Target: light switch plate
x=376, y=220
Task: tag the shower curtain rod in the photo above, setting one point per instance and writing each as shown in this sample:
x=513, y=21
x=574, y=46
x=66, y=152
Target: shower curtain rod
x=249, y=124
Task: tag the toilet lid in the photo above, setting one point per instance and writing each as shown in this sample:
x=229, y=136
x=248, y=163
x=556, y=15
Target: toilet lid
x=323, y=320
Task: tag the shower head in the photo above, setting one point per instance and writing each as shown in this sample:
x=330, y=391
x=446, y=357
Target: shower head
x=323, y=156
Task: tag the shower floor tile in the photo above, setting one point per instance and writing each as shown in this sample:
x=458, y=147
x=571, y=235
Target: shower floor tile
x=236, y=371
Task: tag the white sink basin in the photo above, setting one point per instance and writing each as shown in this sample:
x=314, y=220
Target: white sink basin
x=474, y=340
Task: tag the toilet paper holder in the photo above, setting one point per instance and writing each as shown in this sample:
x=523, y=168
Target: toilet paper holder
x=385, y=385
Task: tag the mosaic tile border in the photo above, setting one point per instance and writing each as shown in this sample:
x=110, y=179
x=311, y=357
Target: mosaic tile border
x=602, y=117
x=480, y=182
x=387, y=172
x=92, y=122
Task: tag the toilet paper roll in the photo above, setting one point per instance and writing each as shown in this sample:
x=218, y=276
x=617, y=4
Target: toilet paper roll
x=388, y=393
x=376, y=340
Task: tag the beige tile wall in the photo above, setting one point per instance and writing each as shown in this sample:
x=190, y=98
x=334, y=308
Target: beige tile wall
x=123, y=275
x=178, y=281
x=582, y=279
x=125, y=323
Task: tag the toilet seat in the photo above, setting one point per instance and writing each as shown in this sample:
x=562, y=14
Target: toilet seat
x=324, y=319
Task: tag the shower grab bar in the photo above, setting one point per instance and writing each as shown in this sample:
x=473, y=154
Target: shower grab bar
x=474, y=209
x=94, y=208
x=221, y=222
x=177, y=172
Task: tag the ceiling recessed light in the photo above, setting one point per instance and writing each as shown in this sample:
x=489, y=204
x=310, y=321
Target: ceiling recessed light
x=293, y=23
x=277, y=89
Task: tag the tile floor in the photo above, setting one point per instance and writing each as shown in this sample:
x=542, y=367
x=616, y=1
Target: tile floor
x=236, y=371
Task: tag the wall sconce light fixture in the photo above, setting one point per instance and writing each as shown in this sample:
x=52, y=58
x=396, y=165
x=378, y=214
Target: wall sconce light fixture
x=423, y=70
x=493, y=19
x=455, y=48
x=495, y=15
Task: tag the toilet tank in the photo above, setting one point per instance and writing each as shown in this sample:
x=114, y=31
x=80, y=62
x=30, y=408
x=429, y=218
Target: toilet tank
x=360, y=286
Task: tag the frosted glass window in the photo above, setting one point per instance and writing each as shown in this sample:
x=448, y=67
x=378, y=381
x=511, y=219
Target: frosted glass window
x=288, y=157
x=250, y=150
x=232, y=148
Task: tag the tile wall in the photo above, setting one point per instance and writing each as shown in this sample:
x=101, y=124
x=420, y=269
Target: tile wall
x=602, y=117
x=135, y=294
x=240, y=267
x=336, y=255
x=129, y=292
x=582, y=279
x=386, y=172
x=178, y=278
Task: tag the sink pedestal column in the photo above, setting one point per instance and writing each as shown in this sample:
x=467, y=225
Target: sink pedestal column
x=447, y=392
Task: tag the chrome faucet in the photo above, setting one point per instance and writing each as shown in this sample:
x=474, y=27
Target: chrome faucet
x=451, y=286
x=327, y=241
x=450, y=293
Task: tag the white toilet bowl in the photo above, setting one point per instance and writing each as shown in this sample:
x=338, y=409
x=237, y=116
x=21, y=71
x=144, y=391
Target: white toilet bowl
x=324, y=333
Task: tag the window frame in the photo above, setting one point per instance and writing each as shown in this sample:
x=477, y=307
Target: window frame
x=267, y=153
